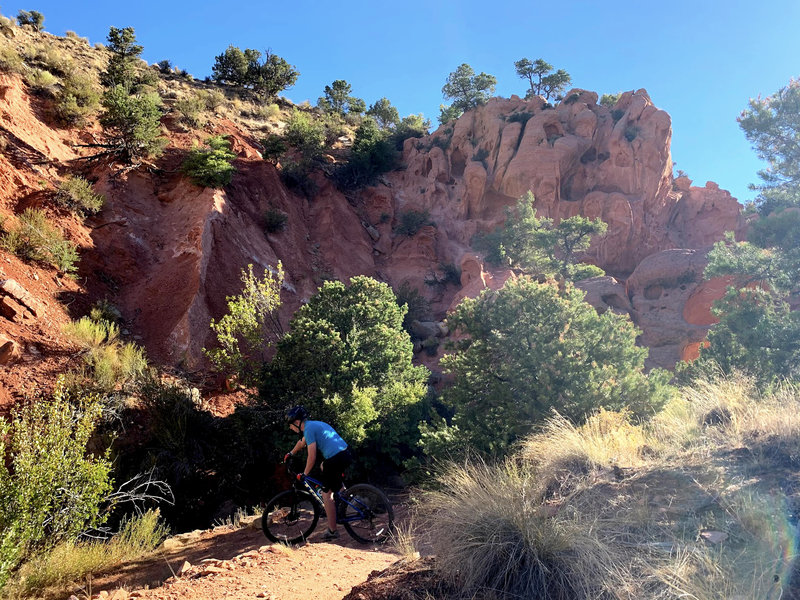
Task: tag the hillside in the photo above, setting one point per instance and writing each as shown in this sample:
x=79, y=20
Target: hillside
x=167, y=253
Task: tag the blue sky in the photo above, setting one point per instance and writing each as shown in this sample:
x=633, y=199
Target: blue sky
x=699, y=60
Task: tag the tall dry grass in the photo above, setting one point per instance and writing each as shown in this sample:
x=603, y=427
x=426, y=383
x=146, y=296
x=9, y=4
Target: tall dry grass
x=73, y=561
x=620, y=510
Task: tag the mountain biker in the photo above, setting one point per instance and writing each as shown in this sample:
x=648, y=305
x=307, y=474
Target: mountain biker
x=320, y=437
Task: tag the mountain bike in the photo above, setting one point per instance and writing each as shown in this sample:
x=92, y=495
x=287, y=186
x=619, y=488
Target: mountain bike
x=291, y=516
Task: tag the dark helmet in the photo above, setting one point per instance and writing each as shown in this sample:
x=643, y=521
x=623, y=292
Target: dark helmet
x=295, y=413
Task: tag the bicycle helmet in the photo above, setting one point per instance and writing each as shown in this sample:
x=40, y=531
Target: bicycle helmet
x=295, y=413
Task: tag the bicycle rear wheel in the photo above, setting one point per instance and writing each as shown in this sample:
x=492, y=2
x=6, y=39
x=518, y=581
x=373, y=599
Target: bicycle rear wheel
x=366, y=513
x=290, y=517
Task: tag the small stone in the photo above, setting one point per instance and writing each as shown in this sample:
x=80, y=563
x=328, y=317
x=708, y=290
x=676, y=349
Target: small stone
x=715, y=537
x=185, y=567
x=120, y=594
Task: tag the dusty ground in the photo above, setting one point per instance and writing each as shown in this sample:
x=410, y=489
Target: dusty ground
x=232, y=563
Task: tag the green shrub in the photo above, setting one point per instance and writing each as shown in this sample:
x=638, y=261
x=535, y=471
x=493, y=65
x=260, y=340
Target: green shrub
x=610, y=100
x=212, y=99
x=10, y=60
x=417, y=306
x=372, y=153
x=275, y=220
x=631, y=131
x=132, y=123
x=191, y=108
x=535, y=347
x=306, y=135
x=111, y=363
x=274, y=147
x=34, y=238
x=77, y=100
x=76, y=194
x=41, y=81
x=412, y=221
x=51, y=487
x=31, y=17
x=519, y=117
x=211, y=167
x=249, y=327
x=296, y=175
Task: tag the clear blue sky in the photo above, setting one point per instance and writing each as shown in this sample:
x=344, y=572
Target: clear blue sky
x=699, y=60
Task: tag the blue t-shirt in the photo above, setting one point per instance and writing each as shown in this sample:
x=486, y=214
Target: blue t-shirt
x=328, y=441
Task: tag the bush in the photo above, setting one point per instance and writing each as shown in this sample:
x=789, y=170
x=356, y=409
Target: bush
x=274, y=148
x=610, y=100
x=211, y=167
x=532, y=348
x=191, y=108
x=491, y=534
x=519, y=117
x=373, y=153
x=249, y=327
x=275, y=220
x=33, y=18
x=41, y=81
x=50, y=486
x=417, y=306
x=132, y=123
x=297, y=176
x=78, y=99
x=412, y=221
x=73, y=561
x=112, y=363
x=306, y=135
x=10, y=60
x=34, y=238
x=265, y=76
x=76, y=194
x=212, y=99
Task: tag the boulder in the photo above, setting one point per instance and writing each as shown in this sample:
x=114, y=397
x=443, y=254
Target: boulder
x=10, y=351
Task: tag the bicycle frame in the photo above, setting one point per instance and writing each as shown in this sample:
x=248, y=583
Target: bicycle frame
x=314, y=487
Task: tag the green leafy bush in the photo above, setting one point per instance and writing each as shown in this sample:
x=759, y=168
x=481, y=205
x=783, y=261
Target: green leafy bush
x=212, y=99
x=348, y=359
x=532, y=347
x=76, y=194
x=191, y=110
x=34, y=238
x=275, y=220
x=132, y=123
x=373, y=153
x=610, y=100
x=211, y=167
x=306, y=135
x=538, y=246
x=412, y=221
x=51, y=487
x=249, y=327
x=77, y=100
x=274, y=148
x=31, y=17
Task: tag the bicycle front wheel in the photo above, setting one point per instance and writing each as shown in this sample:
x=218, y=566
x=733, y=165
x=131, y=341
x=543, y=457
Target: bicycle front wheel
x=366, y=513
x=290, y=517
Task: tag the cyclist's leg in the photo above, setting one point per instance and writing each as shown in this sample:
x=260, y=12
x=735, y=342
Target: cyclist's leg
x=332, y=471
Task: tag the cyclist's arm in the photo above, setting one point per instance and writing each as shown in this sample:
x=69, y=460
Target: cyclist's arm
x=312, y=457
x=299, y=445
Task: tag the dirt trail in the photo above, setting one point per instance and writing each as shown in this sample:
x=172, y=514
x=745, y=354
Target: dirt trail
x=231, y=563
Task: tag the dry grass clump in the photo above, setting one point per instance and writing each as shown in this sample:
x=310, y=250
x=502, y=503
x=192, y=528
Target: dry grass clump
x=492, y=534
x=562, y=451
x=682, y=517
x=73, y=561
x=111, y=363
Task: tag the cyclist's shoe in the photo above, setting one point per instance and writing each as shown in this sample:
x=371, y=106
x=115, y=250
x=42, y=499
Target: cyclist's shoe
x=330, y=535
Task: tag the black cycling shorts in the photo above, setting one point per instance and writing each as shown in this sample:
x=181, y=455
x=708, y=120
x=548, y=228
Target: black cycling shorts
x=333, y=470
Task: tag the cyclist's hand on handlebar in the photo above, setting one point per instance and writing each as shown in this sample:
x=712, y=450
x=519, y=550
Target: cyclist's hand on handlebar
x=301, y=477
x=287, y=457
